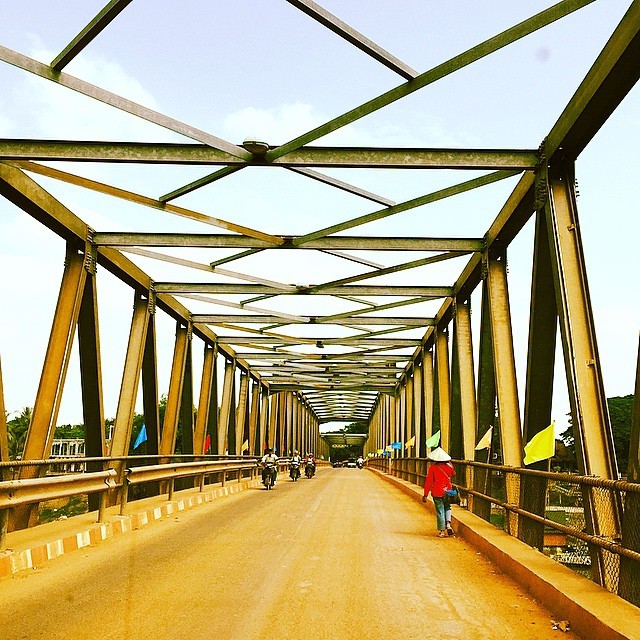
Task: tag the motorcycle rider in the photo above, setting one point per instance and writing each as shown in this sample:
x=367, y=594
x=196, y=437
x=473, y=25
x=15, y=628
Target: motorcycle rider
x=310, y=461
x=360, y=462
x=269, y=459
x=296, y=462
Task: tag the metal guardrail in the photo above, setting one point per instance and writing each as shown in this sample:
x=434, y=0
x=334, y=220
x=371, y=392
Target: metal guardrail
x=14, y=493
x=168, y=473
x=566, y=489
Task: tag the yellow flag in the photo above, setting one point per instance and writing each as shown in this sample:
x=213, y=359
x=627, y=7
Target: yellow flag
x=245, y=446
x=379, y=451
x=542, y=446
x=485, y=441
x=411, y=442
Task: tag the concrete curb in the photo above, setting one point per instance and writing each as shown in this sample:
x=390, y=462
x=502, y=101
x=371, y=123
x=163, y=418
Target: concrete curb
x=13, y=561
x=593, y=612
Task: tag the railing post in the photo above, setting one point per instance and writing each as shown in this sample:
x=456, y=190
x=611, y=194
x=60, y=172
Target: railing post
x=202, y=477
x=4, y=522
x=170, y=492
x=102, y=505
x=224, y=478
x=124, y=495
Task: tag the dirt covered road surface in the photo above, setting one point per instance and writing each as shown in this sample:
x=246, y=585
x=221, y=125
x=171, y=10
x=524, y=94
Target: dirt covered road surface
x=343, y=555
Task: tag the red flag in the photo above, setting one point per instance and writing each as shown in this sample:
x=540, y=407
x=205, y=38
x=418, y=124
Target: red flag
x=207, y=443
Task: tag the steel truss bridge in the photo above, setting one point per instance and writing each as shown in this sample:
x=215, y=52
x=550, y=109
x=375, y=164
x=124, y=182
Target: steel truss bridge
x=383, y=342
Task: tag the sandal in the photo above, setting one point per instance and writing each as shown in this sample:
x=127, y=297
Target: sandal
x=442, y=534
x=450, y=531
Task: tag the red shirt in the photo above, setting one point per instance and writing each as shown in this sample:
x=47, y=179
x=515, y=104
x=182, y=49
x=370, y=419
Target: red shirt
x=438, y=478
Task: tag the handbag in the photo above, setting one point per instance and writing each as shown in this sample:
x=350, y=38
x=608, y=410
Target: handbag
x=451, y=495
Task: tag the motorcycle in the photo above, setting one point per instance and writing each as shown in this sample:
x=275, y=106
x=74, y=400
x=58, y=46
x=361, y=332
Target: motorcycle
x=360, y=464
x=268, y=476
x=309, y=469
x=294, y=471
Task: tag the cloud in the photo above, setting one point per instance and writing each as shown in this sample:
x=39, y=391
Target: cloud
x=75, y=116
x=285, y=122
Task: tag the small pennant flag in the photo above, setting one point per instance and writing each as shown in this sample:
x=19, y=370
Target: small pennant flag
x=434, y=440
x=142, y=437
x=245, y=446
x=380, y=451
x=389, y=448
x=411, y=442
x=485, y=441
x=542, y=446
x=207, y=443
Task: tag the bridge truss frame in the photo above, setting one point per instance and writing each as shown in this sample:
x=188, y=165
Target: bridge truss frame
x=403, y=386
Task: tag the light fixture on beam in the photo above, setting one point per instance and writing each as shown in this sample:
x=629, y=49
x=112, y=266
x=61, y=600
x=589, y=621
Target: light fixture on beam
x=256, y=147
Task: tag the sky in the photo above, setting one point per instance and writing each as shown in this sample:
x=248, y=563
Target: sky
x=262, y=69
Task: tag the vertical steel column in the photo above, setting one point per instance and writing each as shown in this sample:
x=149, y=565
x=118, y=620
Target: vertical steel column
x=264, y=419
x=186, y=400
x=629, y=584
x=282, y=420
x=204, y=401
x=418, y=394
x=150, y=383
x=427, y=387
x=130, y=377
x=241, y=413
x=174, y=396
x=505, y=376
x=592, y=430
x=274, y=411
x=225, y=407
x=212, y=420
x=456, y=449
x=402, y=427
x=254, y=417
x=91, y=375
x=469, y=410
x=486, y=406
x=543, y=322
x=444, y=386
x=45, y=412
x=410, y=414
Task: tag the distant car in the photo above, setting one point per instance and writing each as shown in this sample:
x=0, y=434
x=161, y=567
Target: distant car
x=337, y=463
x=351, y=462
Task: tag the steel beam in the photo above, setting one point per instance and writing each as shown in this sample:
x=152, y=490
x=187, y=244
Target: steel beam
x=405, y=206
x=91, y=31
x=45, y=412
x=590, y=416
x=474, y=54
x=225, y=407
x=25, y=149
x=131, y=377
x=150, y=393
x=107, y=97
x=355, y=38
x=543, y=322
x=224, y=288
x=229, y=241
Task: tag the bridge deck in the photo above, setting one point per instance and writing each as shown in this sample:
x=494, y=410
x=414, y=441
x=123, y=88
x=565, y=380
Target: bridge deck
x=340, y=556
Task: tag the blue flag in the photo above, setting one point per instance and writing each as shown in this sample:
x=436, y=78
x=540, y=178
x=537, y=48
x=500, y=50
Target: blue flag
x=142, y=437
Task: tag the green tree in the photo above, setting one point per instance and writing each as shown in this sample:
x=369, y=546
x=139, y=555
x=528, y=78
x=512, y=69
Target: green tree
x=70, y=431
x=620, y=411
x=17, y=429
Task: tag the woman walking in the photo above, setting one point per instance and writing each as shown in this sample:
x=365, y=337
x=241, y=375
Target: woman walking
x=437, y=482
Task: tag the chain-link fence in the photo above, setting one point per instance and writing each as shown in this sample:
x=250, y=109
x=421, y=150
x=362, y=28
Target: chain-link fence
x=575, y=520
